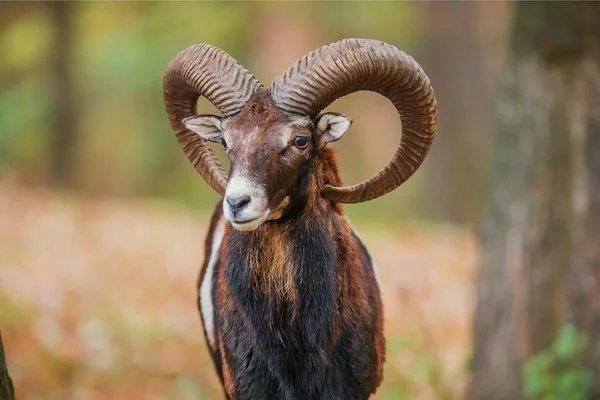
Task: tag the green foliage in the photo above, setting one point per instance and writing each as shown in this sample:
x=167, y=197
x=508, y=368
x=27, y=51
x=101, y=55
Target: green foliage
x=558, y=373
x=422, y=378
x=124, y=142
x=11, y=314
x=368, y=19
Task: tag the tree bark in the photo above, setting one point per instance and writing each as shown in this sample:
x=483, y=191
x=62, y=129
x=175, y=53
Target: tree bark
x=7, y=391
x=454, y=61
x=541, y=229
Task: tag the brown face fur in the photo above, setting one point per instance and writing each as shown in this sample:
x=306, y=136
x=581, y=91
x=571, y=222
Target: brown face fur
x=270, y=153
x=261, y=145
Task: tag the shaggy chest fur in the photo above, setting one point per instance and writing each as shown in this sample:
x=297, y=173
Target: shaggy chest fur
x=297, y=313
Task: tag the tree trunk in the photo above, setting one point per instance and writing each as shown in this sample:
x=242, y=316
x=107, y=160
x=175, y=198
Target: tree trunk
x=541, y=229
x=64, y=114
x=7, y=391
x=454, y=61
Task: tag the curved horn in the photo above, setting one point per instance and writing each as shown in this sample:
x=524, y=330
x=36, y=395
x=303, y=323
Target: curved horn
x=350, y=65
x=204, y=70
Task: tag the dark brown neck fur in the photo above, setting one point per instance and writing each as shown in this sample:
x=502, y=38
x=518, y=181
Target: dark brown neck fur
x=272, y=269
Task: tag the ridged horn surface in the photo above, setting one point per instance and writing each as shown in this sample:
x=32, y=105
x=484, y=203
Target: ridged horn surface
x=204, y=70
x=351, y=65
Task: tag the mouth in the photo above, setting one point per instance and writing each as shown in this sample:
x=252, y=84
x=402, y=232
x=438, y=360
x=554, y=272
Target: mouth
x=249, y=224
x=244, y=222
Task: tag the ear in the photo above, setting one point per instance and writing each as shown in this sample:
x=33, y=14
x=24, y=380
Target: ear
x=208, y=127
x=331, y=127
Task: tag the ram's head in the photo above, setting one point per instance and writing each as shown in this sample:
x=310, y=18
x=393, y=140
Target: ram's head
x=270, y=135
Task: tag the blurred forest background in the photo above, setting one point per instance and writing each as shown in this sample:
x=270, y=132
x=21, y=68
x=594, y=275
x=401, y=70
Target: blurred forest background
x=82, y=104
x=102, y=218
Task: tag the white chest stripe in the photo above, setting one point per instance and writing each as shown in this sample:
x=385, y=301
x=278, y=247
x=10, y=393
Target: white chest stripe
x=206, y=304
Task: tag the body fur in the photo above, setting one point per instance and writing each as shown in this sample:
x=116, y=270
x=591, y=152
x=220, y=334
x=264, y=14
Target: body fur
x=297, y=309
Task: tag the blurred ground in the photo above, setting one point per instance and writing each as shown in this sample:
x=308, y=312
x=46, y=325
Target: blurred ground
x=97, y=300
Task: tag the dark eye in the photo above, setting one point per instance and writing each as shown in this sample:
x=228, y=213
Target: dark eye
x=224, y=143
x=301, y=142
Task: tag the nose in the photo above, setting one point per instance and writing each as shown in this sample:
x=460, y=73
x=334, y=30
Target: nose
x=238, y=203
